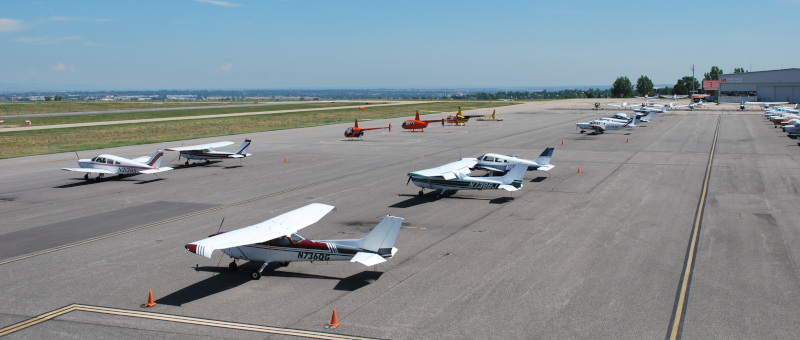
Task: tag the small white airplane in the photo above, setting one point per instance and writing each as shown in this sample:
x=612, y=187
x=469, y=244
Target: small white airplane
x=600, y=126
x=207, y=152
x=452, y=177
x=115, y=165
x=277, y=240
x=500, y=163
x=743, y=104
x=625, y=105
x=674, y=96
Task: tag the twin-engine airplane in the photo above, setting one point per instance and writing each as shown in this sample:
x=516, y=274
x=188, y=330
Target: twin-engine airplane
x=500, y=163
x=120, y=166
x=417, y=124
x=600, y=126
x=277, y=240
x=207, y=152
x=452, y=177
x=357, y=132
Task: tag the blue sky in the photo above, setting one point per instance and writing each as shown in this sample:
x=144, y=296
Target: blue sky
x=208, y=44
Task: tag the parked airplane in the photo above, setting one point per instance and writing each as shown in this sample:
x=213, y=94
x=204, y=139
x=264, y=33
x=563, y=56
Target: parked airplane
x=490, y=117
x=600, y=126
x=357, y=132
x=500, y=163
x=451, y=177
x=206, y=151
x=115, y=165
x=674, y=96
x=743, y=104
x=417, y=124
x=624, y=104
x=277, y=240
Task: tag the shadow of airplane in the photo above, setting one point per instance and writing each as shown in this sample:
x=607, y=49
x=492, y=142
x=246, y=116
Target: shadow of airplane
x=538, y=179
x=228, y=280
x=414, y=200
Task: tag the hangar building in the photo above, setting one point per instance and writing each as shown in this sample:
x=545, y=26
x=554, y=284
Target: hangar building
x=766, y=86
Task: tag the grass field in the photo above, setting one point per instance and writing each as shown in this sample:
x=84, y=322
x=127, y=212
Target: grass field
x=18, y=108
x=36, y=142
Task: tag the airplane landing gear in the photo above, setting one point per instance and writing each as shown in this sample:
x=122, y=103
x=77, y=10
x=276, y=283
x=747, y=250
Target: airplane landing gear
x=233, y=266
x=582, y=131
x=420, y=193
x=86, y=176
x=187, y=163
x=257, y=274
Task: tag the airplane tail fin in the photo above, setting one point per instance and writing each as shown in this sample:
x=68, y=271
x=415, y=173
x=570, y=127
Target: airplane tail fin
x=243, y=148
x=379, y=243
x=512, y=181
x=544, y=158
x=155, y=160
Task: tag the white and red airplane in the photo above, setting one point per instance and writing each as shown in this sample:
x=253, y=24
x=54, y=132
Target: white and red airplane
x=120, y=166
x=207, y=152
x=277, y=240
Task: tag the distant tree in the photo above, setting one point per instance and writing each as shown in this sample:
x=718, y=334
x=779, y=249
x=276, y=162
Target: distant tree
x=714, y=74
x=47, y=99
x=622, y=88
x=57, y=98
x=685, y=85
x=739, y=70
x=644, y=86
x=666, y=91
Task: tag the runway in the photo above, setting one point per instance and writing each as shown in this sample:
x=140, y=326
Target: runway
x=597, y=254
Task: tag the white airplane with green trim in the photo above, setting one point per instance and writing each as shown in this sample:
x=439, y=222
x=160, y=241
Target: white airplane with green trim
x=452, y=177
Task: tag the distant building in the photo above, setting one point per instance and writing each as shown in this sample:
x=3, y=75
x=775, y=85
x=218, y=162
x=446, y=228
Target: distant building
x=711, y=88
x=766, y=86
x=181, y=97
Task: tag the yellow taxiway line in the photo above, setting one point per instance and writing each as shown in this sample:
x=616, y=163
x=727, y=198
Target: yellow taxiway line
x=173, y=318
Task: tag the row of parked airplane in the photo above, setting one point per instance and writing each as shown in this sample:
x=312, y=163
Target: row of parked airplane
x=106, y=164
x=620, y=120
x=787, y=118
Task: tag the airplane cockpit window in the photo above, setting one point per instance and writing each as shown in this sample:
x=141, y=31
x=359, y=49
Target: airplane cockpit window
x=101, y=160
x=109, y=161
x=281, y=241
x=116, y=162
x=94, y=159
x=488, y=158
x=297, y=238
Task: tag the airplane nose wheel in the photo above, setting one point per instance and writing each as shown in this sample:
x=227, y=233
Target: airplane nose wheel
x=233, y=266
x=255, y=275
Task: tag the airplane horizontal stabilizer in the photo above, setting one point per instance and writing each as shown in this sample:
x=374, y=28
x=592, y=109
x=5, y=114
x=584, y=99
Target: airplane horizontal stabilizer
x=508, y=187
x=91, y=170
x=368, y=259
x=546, y=167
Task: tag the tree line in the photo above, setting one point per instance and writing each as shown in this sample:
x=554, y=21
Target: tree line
x=623, y=88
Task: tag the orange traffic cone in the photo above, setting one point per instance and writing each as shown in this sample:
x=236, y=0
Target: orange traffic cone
x=150, y=302
x=334, y=322
x=627, y=140
x=579, y=170
x=562, y=142
x=286, y=159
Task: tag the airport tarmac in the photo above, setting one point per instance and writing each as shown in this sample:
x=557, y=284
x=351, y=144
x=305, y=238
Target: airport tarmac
x=599, y=254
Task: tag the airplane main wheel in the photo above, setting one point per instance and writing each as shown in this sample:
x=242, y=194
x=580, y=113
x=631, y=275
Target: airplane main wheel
x=187, y=163
x=255, y=275
x=86, y=176
x=420, y=193
x=438, y=196
x=232, y=267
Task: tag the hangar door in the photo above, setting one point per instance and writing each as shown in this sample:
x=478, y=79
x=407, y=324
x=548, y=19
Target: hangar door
x=783, y=94
x=766, y=93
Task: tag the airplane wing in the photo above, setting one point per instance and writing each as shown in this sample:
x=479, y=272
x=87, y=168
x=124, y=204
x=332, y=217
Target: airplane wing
x=153, y=171
x=200, y=146
x=448, y=171
x=275, y=227
x=90, y=170
x=484, y=167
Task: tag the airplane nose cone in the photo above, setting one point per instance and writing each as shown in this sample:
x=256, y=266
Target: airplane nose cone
x=191, y=247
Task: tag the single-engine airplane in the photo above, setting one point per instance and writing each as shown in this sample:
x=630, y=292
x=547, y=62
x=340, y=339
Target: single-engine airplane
x=417, y=124
x=490, y=117
x=501, y=163
x=743, y=104
x=207, y=152
x=452, y=177
x=115, y=165
x=357, y=132
x=277, y=240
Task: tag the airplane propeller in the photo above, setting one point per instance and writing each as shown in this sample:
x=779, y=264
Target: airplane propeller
x=408, y=181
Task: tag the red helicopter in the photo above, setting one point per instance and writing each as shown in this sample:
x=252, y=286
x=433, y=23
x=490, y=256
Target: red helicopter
x=416, y=123
x=357, y=132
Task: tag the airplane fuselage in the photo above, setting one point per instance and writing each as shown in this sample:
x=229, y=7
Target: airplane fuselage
x=117, y=165
x=203, y=154
x=285, y=250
